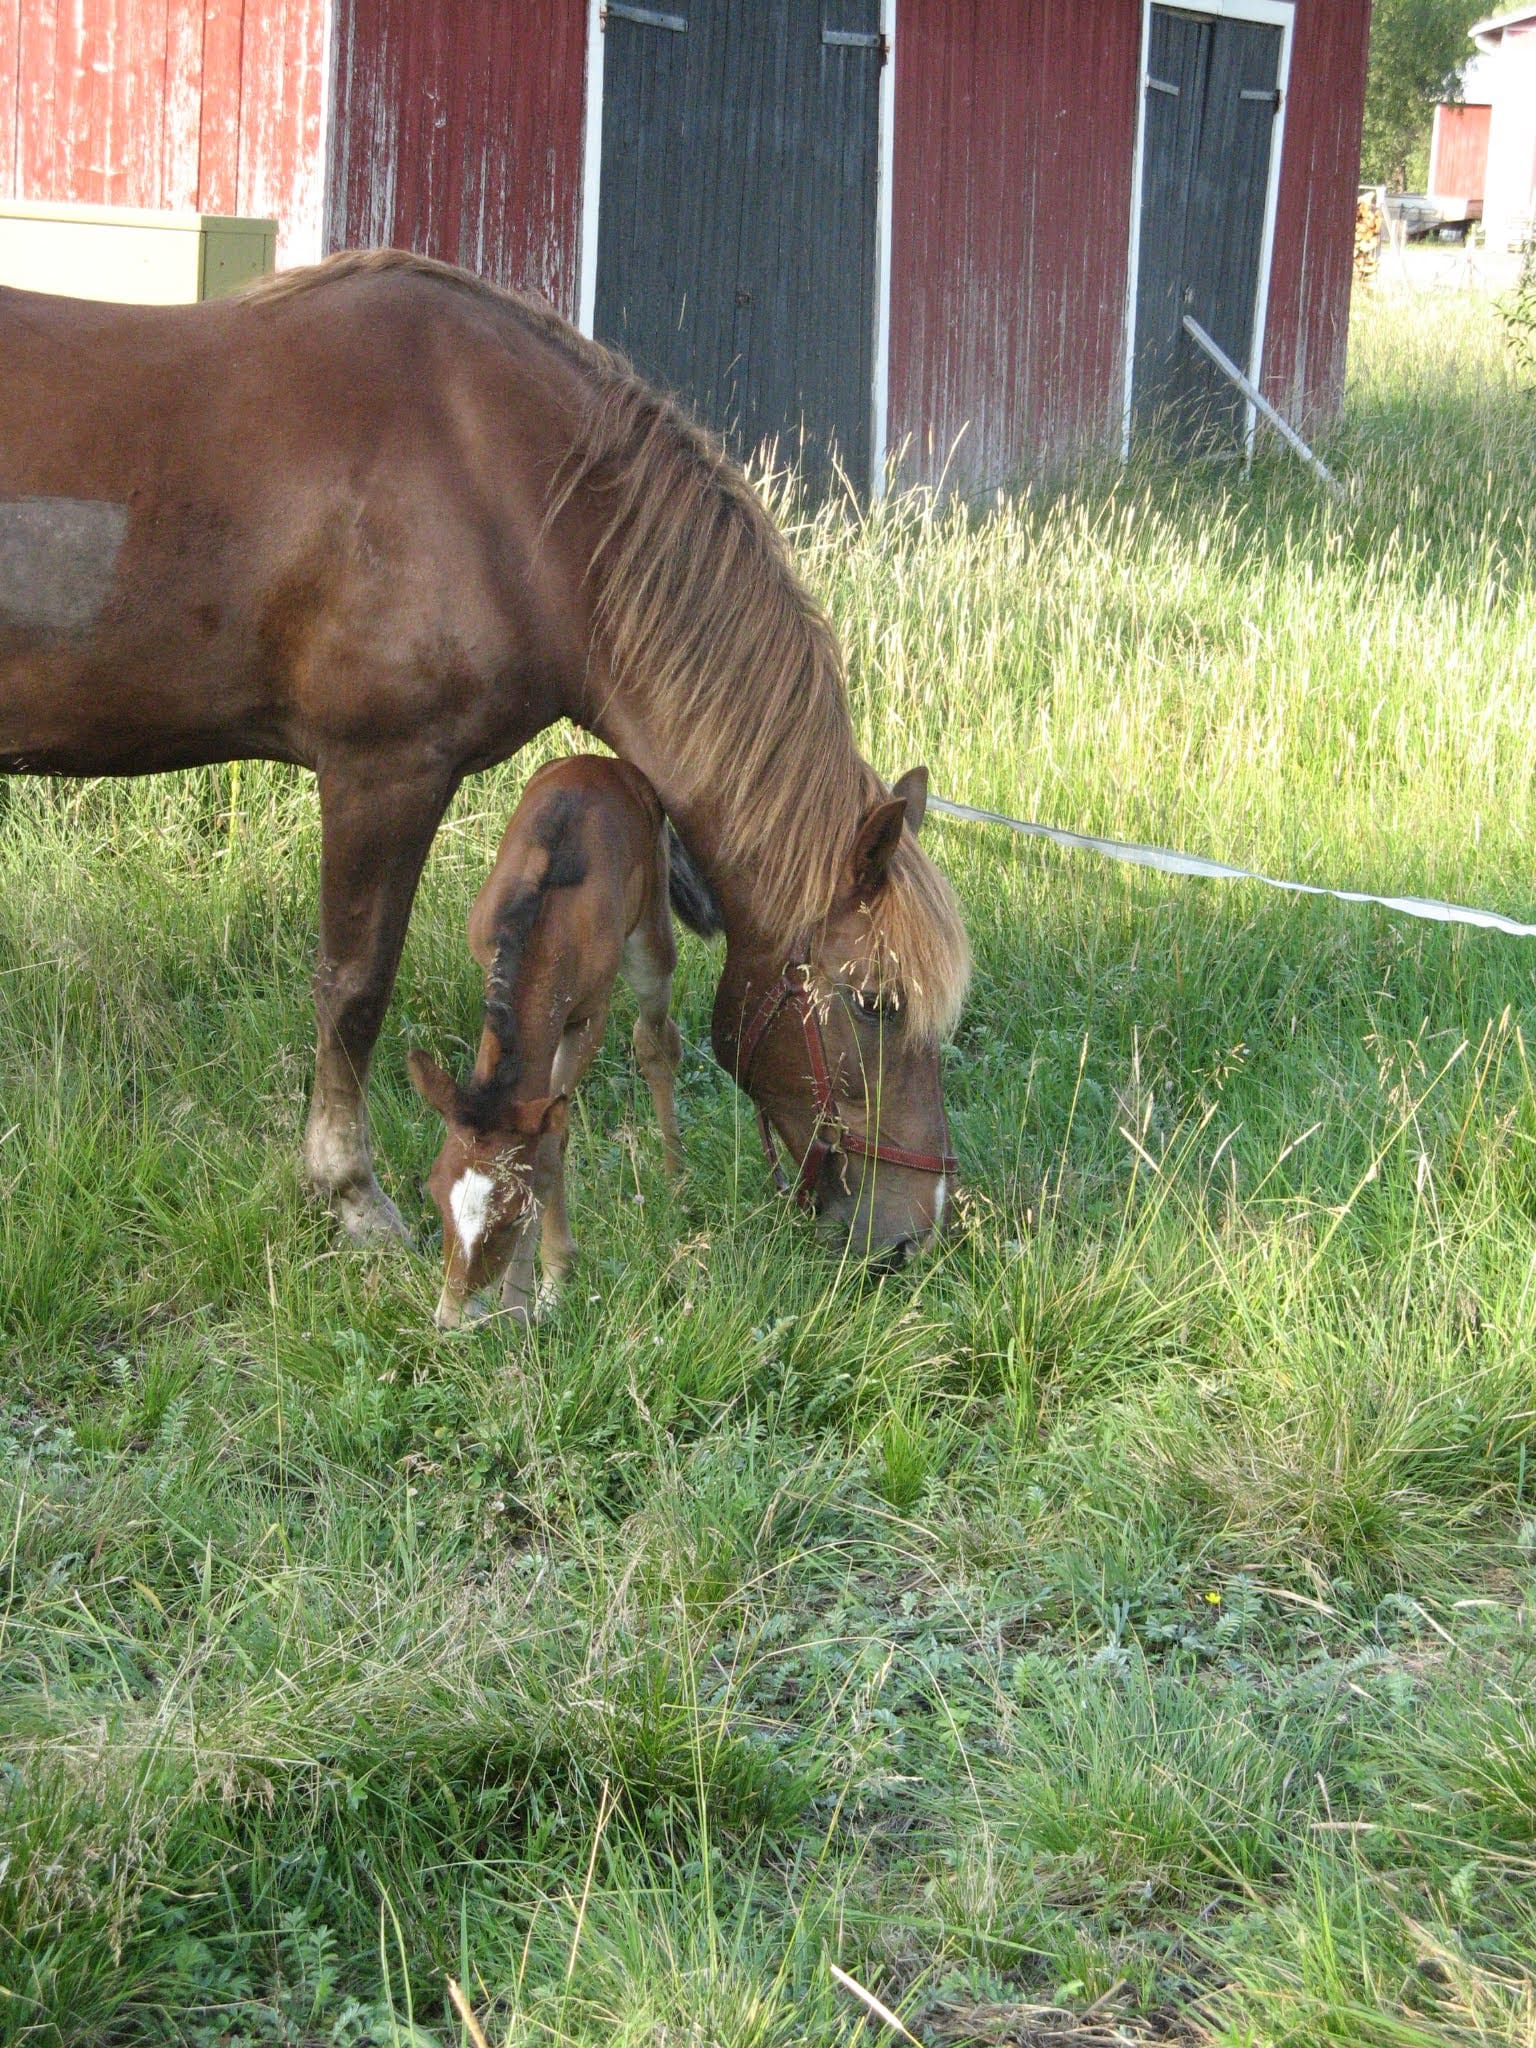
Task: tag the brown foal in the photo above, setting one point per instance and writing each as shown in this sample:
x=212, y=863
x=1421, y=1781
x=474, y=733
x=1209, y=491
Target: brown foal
x=577, y=895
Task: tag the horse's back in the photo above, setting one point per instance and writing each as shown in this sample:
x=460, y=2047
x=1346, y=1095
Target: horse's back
x=291, y=523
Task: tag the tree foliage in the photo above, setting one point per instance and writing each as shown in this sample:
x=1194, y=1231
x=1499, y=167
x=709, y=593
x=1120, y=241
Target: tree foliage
x=1417, y=50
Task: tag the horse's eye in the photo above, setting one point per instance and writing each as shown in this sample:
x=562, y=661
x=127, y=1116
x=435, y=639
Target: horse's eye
x=869, y=1004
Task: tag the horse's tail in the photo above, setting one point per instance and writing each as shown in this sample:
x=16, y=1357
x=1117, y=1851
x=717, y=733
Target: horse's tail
x=692, y=898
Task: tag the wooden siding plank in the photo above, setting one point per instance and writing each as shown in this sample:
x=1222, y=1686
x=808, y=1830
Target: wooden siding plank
x=183, y=106
x=132, y=103
x=36, y=34
x=1307, y=330
x=218, y=176
x=280, y=172
x=67, y=82
x=10, y=97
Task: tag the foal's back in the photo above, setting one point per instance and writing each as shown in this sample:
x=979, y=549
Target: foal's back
x=592, y=827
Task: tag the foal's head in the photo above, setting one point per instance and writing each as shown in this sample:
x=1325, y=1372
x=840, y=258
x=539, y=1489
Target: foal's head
x=838, y=1045
x=485, y=1182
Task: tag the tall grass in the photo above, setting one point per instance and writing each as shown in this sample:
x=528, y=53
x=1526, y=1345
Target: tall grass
x=1118, y=1627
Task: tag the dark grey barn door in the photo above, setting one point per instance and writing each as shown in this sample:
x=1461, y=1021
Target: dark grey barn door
x=736, y=214
x=1212, y=97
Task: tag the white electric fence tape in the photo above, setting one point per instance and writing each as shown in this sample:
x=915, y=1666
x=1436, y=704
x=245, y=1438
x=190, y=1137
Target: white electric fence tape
x=1167, y=862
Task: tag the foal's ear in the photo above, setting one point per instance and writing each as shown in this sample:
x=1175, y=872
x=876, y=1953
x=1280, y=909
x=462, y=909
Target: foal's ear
x=874, y=847
x=434, y=1087
x=557, y=1116
x=912, y=788
x=546, y=1116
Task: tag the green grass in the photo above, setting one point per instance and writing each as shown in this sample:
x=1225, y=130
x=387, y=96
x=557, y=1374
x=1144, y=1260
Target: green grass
x=1129, y=1613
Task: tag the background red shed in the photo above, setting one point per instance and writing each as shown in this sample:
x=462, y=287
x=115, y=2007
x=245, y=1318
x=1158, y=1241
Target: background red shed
x=957, y=232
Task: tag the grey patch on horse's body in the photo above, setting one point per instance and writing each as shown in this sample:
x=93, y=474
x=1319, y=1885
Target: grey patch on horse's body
x=58, y=557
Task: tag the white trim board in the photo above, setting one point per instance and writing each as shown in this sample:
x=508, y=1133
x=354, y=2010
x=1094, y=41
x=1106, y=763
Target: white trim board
x=885, y=148
x=1280, y=14
x=327, y=121
x=591, y=171
x=885, y=158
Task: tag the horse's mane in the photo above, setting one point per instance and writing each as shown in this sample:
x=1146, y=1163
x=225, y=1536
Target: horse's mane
x=695, y=587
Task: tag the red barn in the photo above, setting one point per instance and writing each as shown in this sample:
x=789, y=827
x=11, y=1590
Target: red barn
x=957, y=233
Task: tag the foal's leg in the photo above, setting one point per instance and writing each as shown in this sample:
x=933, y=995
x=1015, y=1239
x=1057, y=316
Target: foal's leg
x=375, y=834
x=650, y=956
x=517, y=1289
x=575, y=1053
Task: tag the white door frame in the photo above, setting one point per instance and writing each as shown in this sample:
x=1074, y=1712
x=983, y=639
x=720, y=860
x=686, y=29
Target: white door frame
x=885, y=178
x=1280, y=14
x=885, y=148
x=591, y=170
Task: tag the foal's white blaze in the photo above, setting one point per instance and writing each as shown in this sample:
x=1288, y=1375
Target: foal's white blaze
x=938, y=1199
x=470, y=1202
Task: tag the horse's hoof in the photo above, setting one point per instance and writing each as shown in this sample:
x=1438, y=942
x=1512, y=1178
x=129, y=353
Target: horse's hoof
x=369, y=1217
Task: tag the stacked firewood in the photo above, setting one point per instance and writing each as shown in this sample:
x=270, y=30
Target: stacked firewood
x=1367, y=237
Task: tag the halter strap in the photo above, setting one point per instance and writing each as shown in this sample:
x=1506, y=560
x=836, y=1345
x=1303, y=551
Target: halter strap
x=790, y=992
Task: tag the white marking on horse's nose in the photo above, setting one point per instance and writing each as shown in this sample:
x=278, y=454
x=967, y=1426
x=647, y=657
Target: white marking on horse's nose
x=470, y=1203
x=447, y=1313
x=938, y=1199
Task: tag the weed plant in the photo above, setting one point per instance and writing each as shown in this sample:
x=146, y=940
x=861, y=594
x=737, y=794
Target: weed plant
x=1119, y=1627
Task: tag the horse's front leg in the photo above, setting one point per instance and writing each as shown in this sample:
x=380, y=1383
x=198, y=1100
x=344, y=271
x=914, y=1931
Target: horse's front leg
x=376, y=826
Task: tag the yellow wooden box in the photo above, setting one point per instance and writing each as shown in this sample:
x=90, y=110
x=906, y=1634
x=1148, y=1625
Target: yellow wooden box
x=131, y=254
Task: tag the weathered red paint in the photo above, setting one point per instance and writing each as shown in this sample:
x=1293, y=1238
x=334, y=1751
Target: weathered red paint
x=1015, y=142
x=458, y=133
x=223, y=27
x=211, y=107
x=10, y=74
x=1307, y=329
x=1015, y=129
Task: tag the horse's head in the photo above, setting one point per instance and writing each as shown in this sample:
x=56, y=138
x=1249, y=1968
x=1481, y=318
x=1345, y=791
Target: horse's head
x=838, y=1045
x=483, y=1182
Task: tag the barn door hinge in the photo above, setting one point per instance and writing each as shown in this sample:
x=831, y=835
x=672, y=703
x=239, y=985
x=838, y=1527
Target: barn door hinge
x=648, y=17
x=1271, y=98
x=1161, y=85
x=855, y=39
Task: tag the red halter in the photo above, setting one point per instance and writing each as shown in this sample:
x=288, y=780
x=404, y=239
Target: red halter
x=790, y=992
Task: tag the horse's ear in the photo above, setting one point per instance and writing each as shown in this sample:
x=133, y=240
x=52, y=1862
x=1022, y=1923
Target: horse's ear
x=912, y=788
x=434, y=1087
x=874, y=847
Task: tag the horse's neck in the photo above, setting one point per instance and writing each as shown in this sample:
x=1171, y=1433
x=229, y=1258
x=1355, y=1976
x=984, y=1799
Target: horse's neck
x=700, y=818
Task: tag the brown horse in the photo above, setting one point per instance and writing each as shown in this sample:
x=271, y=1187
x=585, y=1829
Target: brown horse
x=385, y=520
x=577, y=895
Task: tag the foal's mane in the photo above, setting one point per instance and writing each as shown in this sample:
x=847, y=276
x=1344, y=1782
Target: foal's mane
x=561, y=866
x=706, y=622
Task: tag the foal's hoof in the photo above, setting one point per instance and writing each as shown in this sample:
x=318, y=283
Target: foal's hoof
x=369, y=1217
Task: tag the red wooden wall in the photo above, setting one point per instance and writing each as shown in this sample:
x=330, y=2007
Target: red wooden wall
x=1015, y=137
x=458, y=133
x=1308, y=326
x=212, y=106
x=1015, y=128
